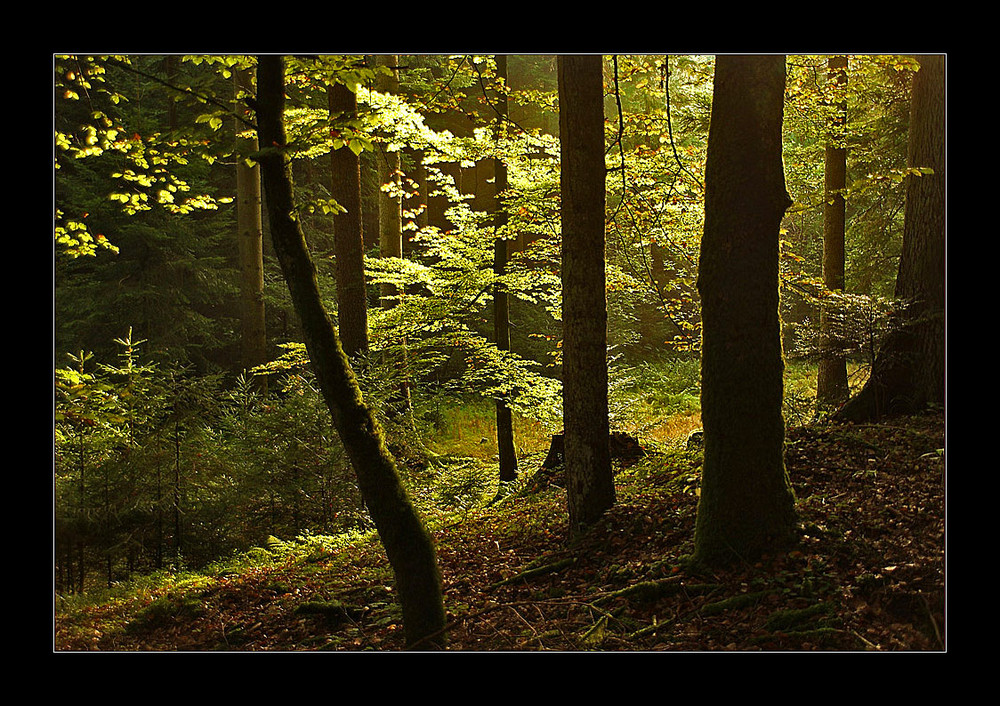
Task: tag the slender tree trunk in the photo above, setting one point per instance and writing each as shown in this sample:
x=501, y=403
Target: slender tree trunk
x=831, y=383
x=501, y=299
x=83, y=526
x=746, y=505
x=590, y=483
x=391, y=231
x=177, y=491
x=349, y=244
x=909, y=369
x=408, y=545
x=250, y=238
x=390, y=201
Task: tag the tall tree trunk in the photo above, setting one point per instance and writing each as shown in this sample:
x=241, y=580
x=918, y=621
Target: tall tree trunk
x=250, y=236
x=590, y=483
x=407, y=542
x=831, y=382
x=908, y=372
x=390, y=211
x=746, y=505
x=348, y=239
x=390, y=201
x=501, y=299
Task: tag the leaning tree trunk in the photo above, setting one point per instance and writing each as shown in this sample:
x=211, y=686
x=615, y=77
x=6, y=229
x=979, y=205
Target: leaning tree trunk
x=909, y=369
x=746, y=505
x=407, y=543
x=589, y=479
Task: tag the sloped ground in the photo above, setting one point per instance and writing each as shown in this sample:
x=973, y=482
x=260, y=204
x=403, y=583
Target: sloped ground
x=869, y=573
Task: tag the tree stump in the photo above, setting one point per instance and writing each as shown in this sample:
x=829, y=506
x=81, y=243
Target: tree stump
x=624, y=448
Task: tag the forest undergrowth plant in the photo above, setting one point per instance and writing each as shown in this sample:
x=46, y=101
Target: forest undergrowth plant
x=656, y=399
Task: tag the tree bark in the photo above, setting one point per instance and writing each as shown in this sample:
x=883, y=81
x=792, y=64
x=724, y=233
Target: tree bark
x=390, y=201
x=407, y=543
x=831, y=382
x=909, y=369
x=746, y=505
x=250, y=237
x=590, y=483
x=390, y=209
x=349, y=244
x=501, y=299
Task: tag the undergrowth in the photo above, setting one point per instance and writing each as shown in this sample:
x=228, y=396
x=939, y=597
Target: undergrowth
x=493, y=536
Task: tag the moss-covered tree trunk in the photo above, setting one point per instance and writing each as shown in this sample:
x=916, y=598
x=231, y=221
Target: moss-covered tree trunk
x=589, y=480
x=909, y=369
x=746, y=505
x=407, y=542
x=349, y=244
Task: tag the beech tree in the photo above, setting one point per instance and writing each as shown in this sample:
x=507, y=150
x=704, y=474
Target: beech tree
x=390, y=196
x=589, y=480
x=908, y=372
x=349, y=245
x=250, y=237
x=746, y=505
x=831, y=381
x=501, y=299
x=407, y=543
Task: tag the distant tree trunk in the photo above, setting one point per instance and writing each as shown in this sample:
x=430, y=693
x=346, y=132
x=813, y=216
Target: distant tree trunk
x=390, y=201
x=407, y=543
x=501, y=299
x=746, y=505
x=831, y=382
x=590, y=483
x=348, y=239
x=909, y=369
x=390, y=211
x=250, y=230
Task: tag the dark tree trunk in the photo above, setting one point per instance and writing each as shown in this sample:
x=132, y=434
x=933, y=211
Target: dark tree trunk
x=746, y=504
x=501, y=299
x=831, y=382
x=408, y=545
x=590, y=483
x=349, y=244
x=909, y=370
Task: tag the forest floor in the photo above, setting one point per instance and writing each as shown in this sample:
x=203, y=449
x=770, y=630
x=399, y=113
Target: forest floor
x=868, y=574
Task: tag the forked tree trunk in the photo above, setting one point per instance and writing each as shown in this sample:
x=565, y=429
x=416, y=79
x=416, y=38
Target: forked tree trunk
x=746, y=505
x=407, y=543
x=590, y=482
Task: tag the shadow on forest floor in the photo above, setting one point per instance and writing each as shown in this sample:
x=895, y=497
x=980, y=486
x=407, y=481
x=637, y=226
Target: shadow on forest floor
x=868, y=573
